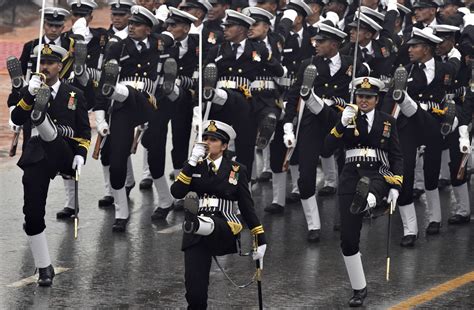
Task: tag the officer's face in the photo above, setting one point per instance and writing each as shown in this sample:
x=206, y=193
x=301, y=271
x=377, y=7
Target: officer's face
x=148, y=4
x=417, y=52
x=119, y=21
x=326, y=48
x=366, y=103
x=216, y=146
x=217, y=12
x=258, y=31
x=138, y=31
x=52, y=32
x=364, y=35
x=50, y=69
x=269, y=6
x=448, y=10
x=233, y=32
x=424, y=14
x=444, y=47
x=179, y=31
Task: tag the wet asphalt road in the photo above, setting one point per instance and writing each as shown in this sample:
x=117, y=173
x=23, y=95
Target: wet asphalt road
x=143, y=268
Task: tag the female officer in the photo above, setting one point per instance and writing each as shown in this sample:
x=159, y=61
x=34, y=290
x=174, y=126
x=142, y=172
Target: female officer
x=373, y=168
x=211, y=227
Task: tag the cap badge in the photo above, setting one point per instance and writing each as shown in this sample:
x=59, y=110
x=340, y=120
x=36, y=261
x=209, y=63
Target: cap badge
x=366, y=84
x=46, y=50
x=212, y=127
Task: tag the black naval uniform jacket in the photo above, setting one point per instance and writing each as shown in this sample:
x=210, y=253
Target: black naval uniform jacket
x=188, y=64
x=68, y=112
x=383, y=136
x=325, y=86
x=293, y=54
x=230, y=183
x=212, y=35
x=254, y=60
x=95, y=47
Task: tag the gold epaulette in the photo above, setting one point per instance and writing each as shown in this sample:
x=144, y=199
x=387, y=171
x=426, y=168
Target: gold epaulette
x=394, y=180
x=257, y=230
x=336, y=134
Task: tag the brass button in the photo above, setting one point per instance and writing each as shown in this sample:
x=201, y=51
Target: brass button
x=431, y=96
x=358, y=144
x=240, y=70
x=230, y=68
x=358, y=165
x=144, y=74
x=326, y=85
x=335, y=86
x=136, y=74
x=148, y=63
x=294, y=62
x=88, y=56
x=180, y=68
x=420, y=95
x=371, y=165
x=139, y=65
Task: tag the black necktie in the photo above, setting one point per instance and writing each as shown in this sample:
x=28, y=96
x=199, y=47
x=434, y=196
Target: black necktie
x=142, y=45
x=324, y=70
x=51, y=43
x=364, y=124
x=364, y=53
x=212, y=168
x=422, y=66
x=235, y=47
x=178, y=44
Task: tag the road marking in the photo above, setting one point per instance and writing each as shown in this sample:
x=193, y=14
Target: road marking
x=436, y=291
x=170, y=229
x=34, y=278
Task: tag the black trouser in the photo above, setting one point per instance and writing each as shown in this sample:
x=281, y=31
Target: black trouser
x=310, y=145
x=154, y=139
x=36, y=177
x=351, y=224
x=238, y=112
x=135, y=110
x=198, y=258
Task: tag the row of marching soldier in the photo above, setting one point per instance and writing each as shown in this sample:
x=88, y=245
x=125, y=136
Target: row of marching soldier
x=377, y=90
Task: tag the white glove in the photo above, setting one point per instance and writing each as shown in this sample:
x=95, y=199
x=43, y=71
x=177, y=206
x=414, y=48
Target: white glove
x=80, y=27
x=196, y=119
x=393, y=195
x=102, y=126
x=259, y=254
x=77, y=163
x=289, y=137
x=454, y=53
x=464, y=142
x=162, y=13
x=34, y=84
x=347, y=115
x=392, y=5
x=290, y=14
x=199, y=151
x=13, y=126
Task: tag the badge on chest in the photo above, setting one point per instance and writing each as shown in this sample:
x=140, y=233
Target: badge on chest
x=234, y=175
x=387, y=128
x=72, y=103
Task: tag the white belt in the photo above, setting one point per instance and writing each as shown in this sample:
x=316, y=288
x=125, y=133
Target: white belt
x=138, y=85
x=34, y=132
x=424, y=106
x=284, y=81
x=208, y=202
x=361, y=152
x=262, y=84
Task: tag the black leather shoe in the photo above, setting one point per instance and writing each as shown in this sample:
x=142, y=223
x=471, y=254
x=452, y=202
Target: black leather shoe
x=120, y=225
x=41, y=104
x=274, y=208
x=106, y=201
x=359, y=203
x=417, y=193
x=408, y=241
x=293, y=198
x=459, y=219
x=327, y=191
x=357, y=300
x=309, y=75
x=448, y=118
x=209, y=81
x=146, y=184
x=80, y=57
x=191, y=208
x=265, y=131
x=109, y=77
x=128, y=189
x=161, y=213
x=443, y=183
x=400, y=78
x=314, y=235
x=15, y=72
x=46, y=276
x=264, y=177
x=66, y=213
x=170, y=71
x=433, y=228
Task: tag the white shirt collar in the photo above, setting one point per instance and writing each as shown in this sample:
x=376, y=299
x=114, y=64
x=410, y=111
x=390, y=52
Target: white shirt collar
x=55, y=88
x=335, y=64
x=57, y=41
x=184, y=47
x=117, y=30
x=370, y=49
x=144, y=41
x=370, y=118
x=217, y=162
x=267, y=44
x=241, y=48
x=429, y=70
x=196, y=30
